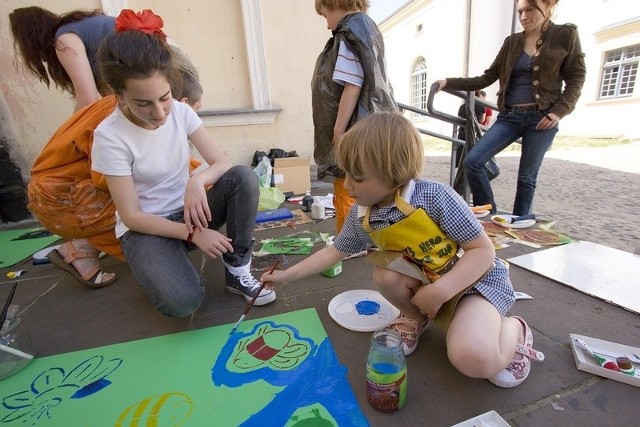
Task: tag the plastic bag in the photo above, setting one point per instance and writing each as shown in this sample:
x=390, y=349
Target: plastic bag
x=270, y=197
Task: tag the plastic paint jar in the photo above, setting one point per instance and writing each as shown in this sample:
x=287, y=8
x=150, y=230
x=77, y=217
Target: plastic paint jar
x=386, y=372
x=307, y=201
x=336, y=268
x=317, y=209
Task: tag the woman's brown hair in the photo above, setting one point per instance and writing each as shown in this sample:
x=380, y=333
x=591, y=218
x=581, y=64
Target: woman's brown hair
x=133, y=54
x=34, y=30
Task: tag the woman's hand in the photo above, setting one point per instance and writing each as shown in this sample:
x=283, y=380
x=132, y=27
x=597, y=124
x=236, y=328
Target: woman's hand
x=548, y=121
x=196, y=207
x=211, y=242
x=441, y=84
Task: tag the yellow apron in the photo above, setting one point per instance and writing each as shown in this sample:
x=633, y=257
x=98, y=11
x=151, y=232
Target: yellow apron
x=416, y=246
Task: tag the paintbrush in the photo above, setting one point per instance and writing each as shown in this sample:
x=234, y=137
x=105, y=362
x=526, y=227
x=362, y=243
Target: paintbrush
x=250, y=304
x=5, y=309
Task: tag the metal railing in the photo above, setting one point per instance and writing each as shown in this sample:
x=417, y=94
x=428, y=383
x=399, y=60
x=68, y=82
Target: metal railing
x=455, y=121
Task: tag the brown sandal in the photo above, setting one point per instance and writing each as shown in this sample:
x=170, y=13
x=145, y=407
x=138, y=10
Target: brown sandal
x=93, y=278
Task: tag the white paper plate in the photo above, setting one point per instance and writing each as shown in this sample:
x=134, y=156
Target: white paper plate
x=42, y=253
x=481, y=214
x=520, y=224
x=362, y=310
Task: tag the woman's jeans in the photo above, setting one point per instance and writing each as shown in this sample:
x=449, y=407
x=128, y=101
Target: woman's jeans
x=509, y=126
x=162, y=266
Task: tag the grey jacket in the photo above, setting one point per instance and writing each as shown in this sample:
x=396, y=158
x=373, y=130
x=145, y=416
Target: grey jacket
x=559, y=60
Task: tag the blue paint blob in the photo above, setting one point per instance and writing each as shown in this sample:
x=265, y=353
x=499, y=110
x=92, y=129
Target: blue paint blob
x=90, y=389
x=367, y=308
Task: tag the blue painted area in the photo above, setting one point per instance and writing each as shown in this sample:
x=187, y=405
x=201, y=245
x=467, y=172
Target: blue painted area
x=319, y=378
x=222, y=376
x=385, y=368
x=367, y=308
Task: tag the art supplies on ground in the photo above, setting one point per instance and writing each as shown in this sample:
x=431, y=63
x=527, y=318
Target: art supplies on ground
x=488, y=419
x=582, y=347
x=273, y=215
x=299, y=243
x=299, y=218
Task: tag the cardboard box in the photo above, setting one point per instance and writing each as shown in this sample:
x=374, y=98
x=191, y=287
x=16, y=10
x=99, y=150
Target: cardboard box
x=292, y=174
x=609, y=350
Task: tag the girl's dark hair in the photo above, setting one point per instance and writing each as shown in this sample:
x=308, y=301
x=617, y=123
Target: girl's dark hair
x=34, y=30
x=134, y=54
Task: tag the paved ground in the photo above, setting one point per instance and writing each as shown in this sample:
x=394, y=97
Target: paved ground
x=63, y=316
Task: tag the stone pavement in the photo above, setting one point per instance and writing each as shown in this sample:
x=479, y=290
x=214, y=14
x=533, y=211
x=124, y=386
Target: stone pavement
x=63, y=316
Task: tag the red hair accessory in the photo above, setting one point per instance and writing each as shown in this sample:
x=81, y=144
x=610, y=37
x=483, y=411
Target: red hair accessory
x=145, y=21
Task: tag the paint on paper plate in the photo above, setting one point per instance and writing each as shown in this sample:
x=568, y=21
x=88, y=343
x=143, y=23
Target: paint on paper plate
x=362, y=310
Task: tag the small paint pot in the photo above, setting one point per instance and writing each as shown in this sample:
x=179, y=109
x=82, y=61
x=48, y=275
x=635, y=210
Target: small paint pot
x=625, y=365
x=317, y=210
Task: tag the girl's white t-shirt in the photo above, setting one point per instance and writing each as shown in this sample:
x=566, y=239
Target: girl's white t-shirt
x=157, y=160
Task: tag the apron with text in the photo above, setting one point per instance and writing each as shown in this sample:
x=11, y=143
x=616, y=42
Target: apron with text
x=419, y=241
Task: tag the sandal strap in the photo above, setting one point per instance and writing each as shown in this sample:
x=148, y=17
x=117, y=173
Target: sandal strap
x=526, y=348
x=529, y=352
x=414, y=324
x=73, y=254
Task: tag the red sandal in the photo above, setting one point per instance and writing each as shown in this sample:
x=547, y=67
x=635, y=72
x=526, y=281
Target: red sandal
x=518, y=369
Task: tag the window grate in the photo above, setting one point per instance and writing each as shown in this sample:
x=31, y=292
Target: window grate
x=419, y=86
x=619, y=72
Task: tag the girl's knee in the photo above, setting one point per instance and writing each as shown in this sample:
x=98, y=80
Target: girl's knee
x=472, y=361
x=385, y=278
x=181, y=304
x=243, y=174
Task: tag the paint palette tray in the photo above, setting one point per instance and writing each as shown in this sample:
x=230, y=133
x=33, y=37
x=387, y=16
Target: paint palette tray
x=362, y=310
x=609, y=350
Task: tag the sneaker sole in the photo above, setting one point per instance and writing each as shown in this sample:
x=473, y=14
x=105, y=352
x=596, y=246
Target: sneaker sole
x=506, y=384
x=261, y=300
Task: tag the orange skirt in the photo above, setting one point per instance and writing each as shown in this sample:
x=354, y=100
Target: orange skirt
x=66, y=196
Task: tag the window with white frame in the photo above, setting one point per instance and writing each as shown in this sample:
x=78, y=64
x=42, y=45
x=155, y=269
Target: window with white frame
x=619, y=72
x=419, y=88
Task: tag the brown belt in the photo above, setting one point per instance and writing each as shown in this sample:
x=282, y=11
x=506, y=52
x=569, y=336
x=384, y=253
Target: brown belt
x=532, y=107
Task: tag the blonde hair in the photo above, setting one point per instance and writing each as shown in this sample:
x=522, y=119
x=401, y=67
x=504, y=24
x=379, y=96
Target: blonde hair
x=384, y=144
x=348, y=5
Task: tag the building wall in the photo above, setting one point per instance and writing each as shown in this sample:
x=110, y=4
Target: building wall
x=442, y=43
x=214, y=35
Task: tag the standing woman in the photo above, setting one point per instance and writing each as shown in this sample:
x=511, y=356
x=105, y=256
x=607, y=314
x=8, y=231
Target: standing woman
x=532, y=67
x=143, y=150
